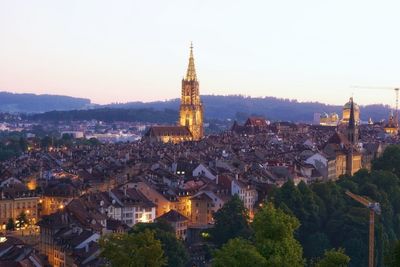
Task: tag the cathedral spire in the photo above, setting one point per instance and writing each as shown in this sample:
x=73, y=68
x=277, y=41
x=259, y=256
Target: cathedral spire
x=352, y=128
x=191, y=108
x=191, y=71
x=352, y=121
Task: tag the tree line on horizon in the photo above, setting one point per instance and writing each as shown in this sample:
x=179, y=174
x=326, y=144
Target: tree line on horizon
x=215, y=107
x=272, y=108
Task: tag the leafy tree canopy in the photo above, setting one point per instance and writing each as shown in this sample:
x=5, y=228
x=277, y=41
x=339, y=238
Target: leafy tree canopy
x=174, y=249
x=230, y=221
x=238, y=253
x=334, y=258
x=390, y=160
x=393, y=256
x=274, y=237
x=131, y=250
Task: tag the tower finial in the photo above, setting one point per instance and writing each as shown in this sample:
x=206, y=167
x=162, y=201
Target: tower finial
x=191, y=71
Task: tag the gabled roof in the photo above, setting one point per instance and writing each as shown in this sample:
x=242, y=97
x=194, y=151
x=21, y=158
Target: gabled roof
x=338, y=138
x=55, y=220
x=132, y=196
x=256, y=122
x=173, y=216
x=202, y=196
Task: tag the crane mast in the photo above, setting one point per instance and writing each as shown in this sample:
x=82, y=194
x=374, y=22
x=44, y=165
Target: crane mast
x=374, y=207
x=397, y=106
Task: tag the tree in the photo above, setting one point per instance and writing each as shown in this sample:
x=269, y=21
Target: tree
x=393, y=257
x=238, y=253
x=301, y=201
x=22, y=219
x=331, y=219
x=334, y=258
x=389, y=161
x=174, y=250
x=315, y=245
x=273, y=231
x=10, y=226
x=131, y=250
x=230, y=221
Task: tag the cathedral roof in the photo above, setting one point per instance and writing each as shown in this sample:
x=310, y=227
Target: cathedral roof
x=168, y=131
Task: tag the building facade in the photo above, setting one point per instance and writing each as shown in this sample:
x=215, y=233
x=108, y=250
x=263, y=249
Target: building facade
x=12, y=205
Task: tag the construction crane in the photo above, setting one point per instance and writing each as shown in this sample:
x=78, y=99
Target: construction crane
x=396, y=90
x=374, y=207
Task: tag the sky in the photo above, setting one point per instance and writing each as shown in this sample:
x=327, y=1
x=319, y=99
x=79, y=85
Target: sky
x=121, y=51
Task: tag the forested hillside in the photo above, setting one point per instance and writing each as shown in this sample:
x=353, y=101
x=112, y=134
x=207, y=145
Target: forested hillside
x=32, y=103
x=329, y=218
x=215, y=107
x=235, y=107
x=240, y=107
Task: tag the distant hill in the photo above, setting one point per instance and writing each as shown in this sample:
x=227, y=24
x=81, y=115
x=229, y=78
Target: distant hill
x=109, y=115
x=277, y=109
x=32, y=103
x=235, y=107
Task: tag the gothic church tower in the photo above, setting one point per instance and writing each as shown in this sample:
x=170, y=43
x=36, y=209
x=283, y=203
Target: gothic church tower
x=191, y=109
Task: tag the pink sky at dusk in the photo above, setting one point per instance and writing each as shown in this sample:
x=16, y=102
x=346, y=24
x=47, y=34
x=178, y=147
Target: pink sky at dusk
x=120, y=51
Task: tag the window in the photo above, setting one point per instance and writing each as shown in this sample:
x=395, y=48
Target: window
x=187, y=120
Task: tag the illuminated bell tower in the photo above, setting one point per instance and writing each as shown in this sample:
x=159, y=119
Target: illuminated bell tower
x=191, y=109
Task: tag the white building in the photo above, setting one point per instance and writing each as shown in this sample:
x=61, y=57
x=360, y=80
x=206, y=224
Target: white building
x=247, y=193
x=135, y=207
